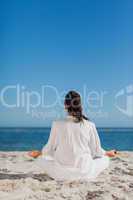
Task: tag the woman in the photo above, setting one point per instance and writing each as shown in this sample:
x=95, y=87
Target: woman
x=73, y=150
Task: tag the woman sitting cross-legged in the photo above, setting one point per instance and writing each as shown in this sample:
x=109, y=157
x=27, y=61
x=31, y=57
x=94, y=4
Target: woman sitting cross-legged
x=73, y=150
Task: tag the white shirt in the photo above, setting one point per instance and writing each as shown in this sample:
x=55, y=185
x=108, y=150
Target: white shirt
x=71, y=151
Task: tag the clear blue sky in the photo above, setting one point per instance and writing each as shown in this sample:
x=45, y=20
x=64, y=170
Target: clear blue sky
x=68, y=44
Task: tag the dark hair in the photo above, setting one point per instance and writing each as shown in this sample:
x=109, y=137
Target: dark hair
x=73, y=105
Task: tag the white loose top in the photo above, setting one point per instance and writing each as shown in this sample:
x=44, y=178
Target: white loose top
x=73, y=151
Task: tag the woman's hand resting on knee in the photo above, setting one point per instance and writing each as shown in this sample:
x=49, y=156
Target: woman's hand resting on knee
x=111, y=153
x=34, y=154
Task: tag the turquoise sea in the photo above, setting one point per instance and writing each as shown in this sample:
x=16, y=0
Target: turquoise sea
x=25, y=139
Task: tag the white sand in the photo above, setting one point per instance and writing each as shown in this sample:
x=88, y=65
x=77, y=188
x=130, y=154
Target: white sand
x=115, y=183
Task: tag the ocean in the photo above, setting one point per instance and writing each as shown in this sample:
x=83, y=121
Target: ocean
x=26, y=139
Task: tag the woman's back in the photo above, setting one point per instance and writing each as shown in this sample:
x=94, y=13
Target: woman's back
x=73, y=141
x=73, y=147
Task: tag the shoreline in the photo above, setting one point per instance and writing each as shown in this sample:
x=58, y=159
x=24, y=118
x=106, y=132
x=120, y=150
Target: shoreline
x=114, y=183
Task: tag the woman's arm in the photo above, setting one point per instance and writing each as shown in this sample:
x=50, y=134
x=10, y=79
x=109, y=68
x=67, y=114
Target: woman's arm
x=95, y=144
x=51, y=145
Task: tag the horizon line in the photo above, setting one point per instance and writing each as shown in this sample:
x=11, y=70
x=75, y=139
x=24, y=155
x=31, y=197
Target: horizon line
x=50, y=127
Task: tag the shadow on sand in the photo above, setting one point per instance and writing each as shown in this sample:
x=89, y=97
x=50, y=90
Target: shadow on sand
x=39, y=177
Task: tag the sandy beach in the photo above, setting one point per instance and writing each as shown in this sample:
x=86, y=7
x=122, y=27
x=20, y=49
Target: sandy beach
x=115, y=183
